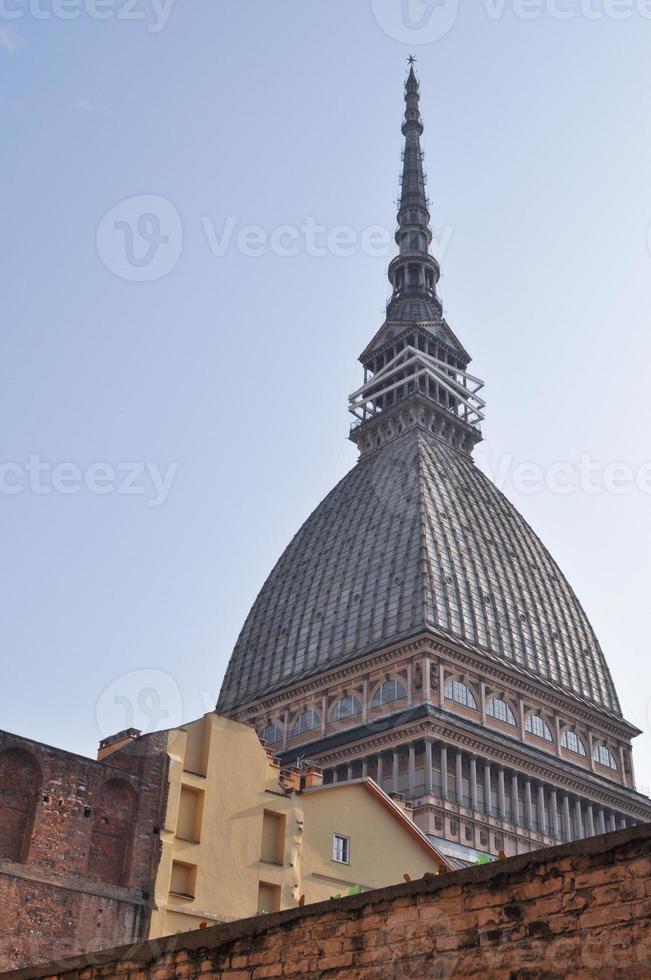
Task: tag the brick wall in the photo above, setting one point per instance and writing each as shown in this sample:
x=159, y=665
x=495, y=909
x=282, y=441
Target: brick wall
x=578, y=910
x=78, y=847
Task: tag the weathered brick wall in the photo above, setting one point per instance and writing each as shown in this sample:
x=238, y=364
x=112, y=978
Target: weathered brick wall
x=572, y=911
x=79, y=847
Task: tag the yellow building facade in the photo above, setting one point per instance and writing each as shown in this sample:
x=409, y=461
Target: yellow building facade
x=242, y=837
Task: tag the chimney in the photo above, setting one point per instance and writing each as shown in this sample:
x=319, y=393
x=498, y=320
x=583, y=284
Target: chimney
x=115, y=742
x=312, y=776
x=290, y=779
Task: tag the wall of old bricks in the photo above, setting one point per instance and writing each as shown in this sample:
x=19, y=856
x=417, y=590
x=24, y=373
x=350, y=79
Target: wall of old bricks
x=579, y=910
x=79, y=847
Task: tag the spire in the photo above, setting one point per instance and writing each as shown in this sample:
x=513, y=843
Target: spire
x=414, y=273
x=415, y=369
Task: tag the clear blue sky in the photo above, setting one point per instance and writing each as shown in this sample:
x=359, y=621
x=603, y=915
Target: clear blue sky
x=237, y=368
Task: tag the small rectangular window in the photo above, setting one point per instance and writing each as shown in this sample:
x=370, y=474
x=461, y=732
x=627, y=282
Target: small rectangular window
x=273, y=837
x=341, y=849
x=183, y=881
x=269, y=898
x=188, y=824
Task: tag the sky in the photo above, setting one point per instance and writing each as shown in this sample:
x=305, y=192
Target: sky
x=196, y=204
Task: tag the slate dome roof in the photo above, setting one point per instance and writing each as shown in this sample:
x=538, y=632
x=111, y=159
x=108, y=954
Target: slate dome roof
x=416, y=537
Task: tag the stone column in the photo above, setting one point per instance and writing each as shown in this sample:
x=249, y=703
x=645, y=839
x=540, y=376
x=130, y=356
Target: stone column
x=553, y=815
x=515, y=800
x=444, y=772
x=613, y=822
x=428, y=767
x=350, y=773
x=364, y=768
x=488, y=796
x=412, y=770
x=622, y=823
x=426, y=678
x=474, y=802
x=542, y=822
x=601, y=821
x=567, y=826
x=590, y=821
x=528, y=808
x=324, y=715
x=365, y=700
x=578, y=819
x=396, y=771
x=285, y=728
x=380, y=770
x=459, y=775
x=335, y=775
x=501, y=795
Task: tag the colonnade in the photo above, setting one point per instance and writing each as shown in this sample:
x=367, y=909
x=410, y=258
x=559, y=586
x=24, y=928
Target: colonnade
x=429, y=768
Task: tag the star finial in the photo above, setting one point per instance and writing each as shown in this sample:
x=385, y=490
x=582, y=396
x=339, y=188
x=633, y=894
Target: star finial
x=411, y=60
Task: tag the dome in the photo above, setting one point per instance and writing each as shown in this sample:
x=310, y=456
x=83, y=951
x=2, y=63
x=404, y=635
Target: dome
x=415, y=537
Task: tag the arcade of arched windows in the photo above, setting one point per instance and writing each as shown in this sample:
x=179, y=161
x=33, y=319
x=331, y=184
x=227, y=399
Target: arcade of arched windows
x=421, y=679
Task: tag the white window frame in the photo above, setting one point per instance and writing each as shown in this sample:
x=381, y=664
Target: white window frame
x=568, y=737
x=355, y=708
x=301, y=726
x=341, y=849
x=277, y=728
x=530, y=725
x=601, y=752
x=460, y=693
x=382, y=697
x=504, y=707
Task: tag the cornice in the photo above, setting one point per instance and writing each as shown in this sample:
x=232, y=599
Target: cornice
x=447, y=729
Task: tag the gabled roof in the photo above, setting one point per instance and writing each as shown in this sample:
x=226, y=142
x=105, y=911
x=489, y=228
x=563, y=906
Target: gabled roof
x=395, y=811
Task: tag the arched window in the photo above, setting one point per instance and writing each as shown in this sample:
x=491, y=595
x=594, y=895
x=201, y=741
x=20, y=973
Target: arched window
x=347, y=707
x=389, y=692
x=307, y=721
x=271, y=734
x=605, y=757
x=499, y=709
x=536, y=725
x=20, y=781
x=461, y=693
x=570, y=740
x=113, y=813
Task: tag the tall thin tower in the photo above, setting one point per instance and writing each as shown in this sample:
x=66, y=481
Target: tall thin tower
x=416, y=630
